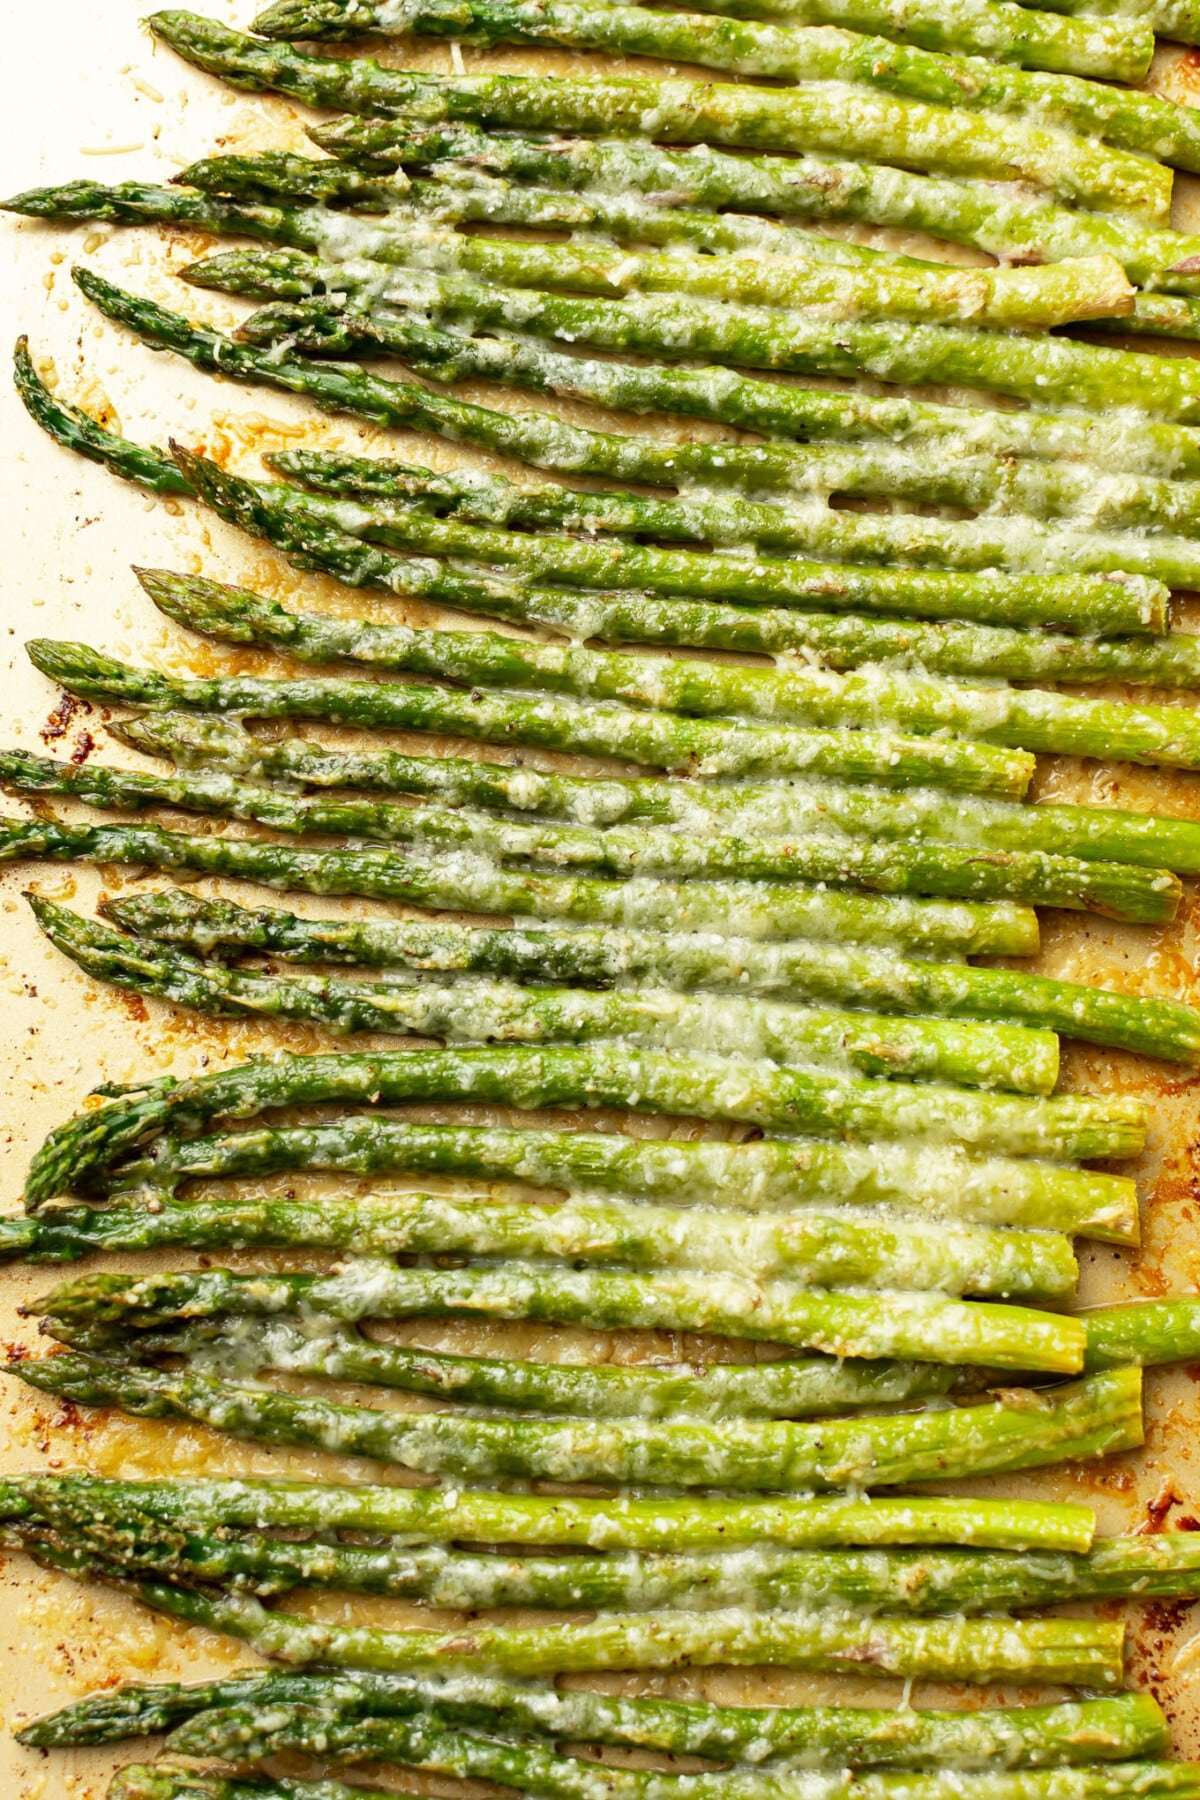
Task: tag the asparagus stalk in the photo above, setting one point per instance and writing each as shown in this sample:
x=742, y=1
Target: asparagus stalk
x=1115, y=889
x=1033, y=718
x=797, y=1387
x=803, y=1247
x=434, y=1744
x=761, y=1175
x=808, y=187
x=898, y=1581
x=1146, y=1333
x=1082, y=602
x=989, y=647
x=462, y=192
x=894, y=123
x=611, y=1522
x=1083, y=606
x=1111, y=1729
x=644, y=738
x=1079, y=289
x=162, y=1783
x=821, y=414
x=1094, y=833
x=760, y=910
x=1073, y=1652
x=1037, y=489
x=922, y=1327
x=1046, y=371
x=484, y=1011
x=460, y=195
x=822, y=118
x=1066, y=1127
x=991, y=28
x=1092, y=1418
x=677, y=960
x=1179, y=19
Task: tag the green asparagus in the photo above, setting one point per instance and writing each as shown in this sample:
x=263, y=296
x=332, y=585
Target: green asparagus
x=825, y=118
x=1101, y=834
x=1070, y=1652
x=1066, y=1127
x=1089, y=1419
x=808, y=187
x=484, y=1011
x=757, y=1176
x=920, y=1327
x=638, y=736
x=1146, y=1332
x=1045, y=370
x=681, y=961
x=896, y=1581
x=805, y=1247
x=160, y=1782
x=1108, y=1730
x=1036, y=489
x=796, y=1387
x=1118, y=890
x=466, y=883
x=465, y=170
x=608, y=1522
x=1075, y=290
x=991, y=28
x=925, y=110
x=432, y=1743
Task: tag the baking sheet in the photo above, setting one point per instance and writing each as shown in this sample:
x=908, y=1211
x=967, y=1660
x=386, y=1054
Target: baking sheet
x=98, y=97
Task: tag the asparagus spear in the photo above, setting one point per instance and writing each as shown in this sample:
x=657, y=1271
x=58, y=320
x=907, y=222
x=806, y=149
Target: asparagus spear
x=922, y=1327
x=434, y=1744
x=760, y=1176
x=1073, y=1652
x=1115, y=889
x=684, y=111
x=702, y=176
x=364, y=305
x=797, y=1387
x=1079, y=289
x=1099, y=834
x=1147, y=1333
x=991, y=28
x=484, y=1011
x=898, y=1581
x=1112, y=1729
x=1067, y=1127
x=1092, y=1418
x=990, y=648
x=472, y=884
x=1033, y=718
x=1037, y=489
x=462, y=192
x=460, y=195
x=162, y=1783
x=609, y=1522
x=1179, y=19
x=677, y=960
x=647, y=739
x=1048, y=371
x=803, y=1247
x=1089, y=607
x=893, y=123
